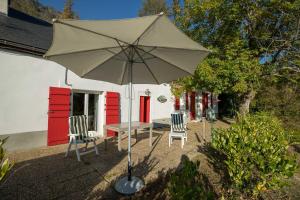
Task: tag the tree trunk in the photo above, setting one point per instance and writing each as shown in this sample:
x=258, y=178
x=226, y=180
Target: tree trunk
x=245, y=103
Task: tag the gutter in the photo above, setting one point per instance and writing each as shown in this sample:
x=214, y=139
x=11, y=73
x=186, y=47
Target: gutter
x=6, y=44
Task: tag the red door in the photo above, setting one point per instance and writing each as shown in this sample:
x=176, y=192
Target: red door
x=204, y=103
x=192, y=106
x=144, y=109
x=177, y=103
x=186, y=100
x=112, y=110
x=58, y=115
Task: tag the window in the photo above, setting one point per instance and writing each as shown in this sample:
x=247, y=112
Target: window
x=84, y=103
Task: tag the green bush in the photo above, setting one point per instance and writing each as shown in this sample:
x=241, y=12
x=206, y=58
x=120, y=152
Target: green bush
x=5, y=166
x=256, y=153
x=189, y=183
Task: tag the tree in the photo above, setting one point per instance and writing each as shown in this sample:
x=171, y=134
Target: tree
x=35, y=9
x=153, y=7
x=242, y=34
x=68, y=12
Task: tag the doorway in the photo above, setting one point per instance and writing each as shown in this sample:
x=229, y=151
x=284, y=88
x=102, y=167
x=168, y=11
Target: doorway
x=86, y=104
x=145, y=109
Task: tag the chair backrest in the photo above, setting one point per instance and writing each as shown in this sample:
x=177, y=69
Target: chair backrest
x=78, y=125
x=177, y=122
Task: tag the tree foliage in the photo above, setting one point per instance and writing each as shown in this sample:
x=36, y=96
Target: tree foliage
x=35, y=9
x=281, y=96
x=242, y=35
x=256, y=153
x=68, y=12
x=5, y=165
x=189, y=183
x=153, y=7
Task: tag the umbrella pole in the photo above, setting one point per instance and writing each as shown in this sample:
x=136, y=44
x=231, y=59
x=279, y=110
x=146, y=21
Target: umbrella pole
x=129, y=185
x=129, y=118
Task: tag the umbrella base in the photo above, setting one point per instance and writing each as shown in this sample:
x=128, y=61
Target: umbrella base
x=126, y=187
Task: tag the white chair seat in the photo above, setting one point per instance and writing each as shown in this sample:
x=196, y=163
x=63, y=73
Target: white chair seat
x=178, y=128
x=78, y=133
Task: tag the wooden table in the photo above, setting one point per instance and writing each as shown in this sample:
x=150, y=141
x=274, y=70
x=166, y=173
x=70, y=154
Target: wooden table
x=123, y=127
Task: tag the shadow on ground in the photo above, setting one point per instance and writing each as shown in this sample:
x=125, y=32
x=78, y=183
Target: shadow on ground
x=57, y=177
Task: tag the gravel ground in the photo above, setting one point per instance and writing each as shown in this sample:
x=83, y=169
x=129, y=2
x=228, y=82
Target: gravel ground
x=45, y=173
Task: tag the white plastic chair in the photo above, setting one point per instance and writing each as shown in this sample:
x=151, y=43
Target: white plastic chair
x=78, y=134
x=178, y=128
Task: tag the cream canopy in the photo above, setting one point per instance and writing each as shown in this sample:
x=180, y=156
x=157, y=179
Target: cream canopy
x=99, y=49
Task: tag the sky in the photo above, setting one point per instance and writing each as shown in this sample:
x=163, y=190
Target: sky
x=100, y=9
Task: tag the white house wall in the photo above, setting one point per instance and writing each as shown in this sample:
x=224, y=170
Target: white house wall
x=157, y=110
x=24, y=89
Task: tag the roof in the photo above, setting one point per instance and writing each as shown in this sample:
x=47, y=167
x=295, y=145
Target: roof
x=22, y=32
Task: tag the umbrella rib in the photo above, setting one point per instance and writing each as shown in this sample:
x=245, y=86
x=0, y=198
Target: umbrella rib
x=178, y=48
x=149, y=51
x=82, y=51
x=123, y=50
x=94, y=32
x=146, y=64
x=166, y=61
x=115, y=54
x=124, y=74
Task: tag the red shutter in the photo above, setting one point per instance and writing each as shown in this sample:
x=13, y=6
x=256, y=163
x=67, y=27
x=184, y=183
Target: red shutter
x=142, y=108
x=112, y=110
x=177, y=103
x=192, y=107
x=186, y=100
x=58, y=115
x=147, y=120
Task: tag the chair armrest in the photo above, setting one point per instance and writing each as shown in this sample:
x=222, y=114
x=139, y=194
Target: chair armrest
x=91, y=133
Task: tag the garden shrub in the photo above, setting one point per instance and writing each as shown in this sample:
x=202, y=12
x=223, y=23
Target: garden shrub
x=5, y=166
x=189, y=183
x=256, y=153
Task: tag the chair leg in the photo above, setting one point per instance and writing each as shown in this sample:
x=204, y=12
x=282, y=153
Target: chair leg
x=69, y=147
x=169, y=140
x=77, y=151
x=182, y=142
x=96, y=148
x=86, y=146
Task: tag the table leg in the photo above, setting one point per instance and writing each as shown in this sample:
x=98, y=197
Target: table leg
x=105, y=139
x=150, y=137
x=203, y=128
x=119, y=141
x=135, y=135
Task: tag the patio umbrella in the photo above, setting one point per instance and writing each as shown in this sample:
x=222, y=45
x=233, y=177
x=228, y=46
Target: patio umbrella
x=144, y=50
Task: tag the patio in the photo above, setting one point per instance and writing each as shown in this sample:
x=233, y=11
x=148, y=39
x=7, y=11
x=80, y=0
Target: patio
x=45, y=173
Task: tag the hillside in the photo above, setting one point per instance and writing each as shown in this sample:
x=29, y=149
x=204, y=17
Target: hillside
x=35, y=8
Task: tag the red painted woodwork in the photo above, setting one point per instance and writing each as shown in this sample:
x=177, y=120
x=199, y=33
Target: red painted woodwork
x=186, y=101
x=58, y=115
x=192, y=106
x=177, y=103
x=112, y=111
x=144, y=109
x=147, y=110
x=204, y=103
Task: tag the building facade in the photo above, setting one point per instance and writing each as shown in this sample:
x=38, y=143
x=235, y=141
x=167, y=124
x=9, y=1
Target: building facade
x=38, y=95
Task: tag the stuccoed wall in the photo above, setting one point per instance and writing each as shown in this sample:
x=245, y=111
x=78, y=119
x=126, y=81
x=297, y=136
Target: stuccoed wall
x=24, y=89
